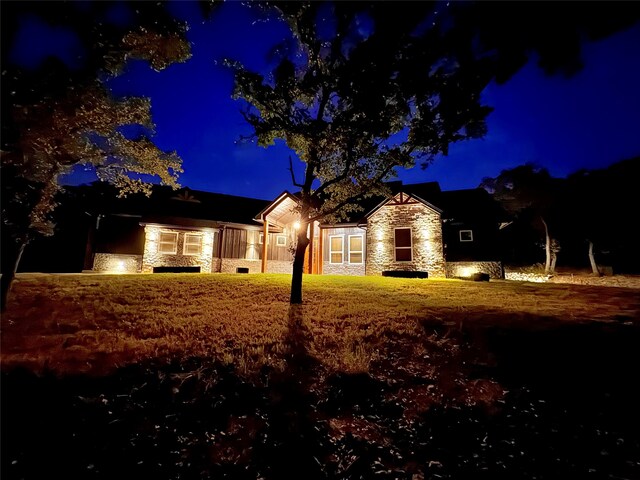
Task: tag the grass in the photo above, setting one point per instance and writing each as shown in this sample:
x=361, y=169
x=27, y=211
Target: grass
x=98, y=323
x=216, y=376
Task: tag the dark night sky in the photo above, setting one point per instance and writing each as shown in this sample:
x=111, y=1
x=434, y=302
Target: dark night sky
x=587, y=121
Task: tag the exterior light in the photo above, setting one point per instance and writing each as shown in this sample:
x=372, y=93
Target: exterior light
x=296, y=225
x=467, y=271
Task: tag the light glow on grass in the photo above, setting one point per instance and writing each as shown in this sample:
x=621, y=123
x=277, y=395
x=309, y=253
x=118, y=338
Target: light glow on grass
x=115, y=320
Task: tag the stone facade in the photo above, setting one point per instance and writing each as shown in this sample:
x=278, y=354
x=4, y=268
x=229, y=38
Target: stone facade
x=465, y=269
x=343, y=269
x=117, y=263
x=153, y=258
x=280, y=266
x=229, y=265
x=426, y=239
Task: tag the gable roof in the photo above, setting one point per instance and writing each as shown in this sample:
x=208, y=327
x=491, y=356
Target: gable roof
x=403, y=198
x=198, y=205
x=183, y=207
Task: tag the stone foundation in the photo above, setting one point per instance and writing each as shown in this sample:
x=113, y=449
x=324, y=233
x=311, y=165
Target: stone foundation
x=229, y=265
x=343, y=269
x=280, y=266
x=117, y=263
x=466, y=269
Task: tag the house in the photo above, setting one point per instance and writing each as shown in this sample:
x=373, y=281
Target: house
x=418, y=228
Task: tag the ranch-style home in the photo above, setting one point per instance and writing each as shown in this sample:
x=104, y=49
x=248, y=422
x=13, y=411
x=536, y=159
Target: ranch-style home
x=419, y=228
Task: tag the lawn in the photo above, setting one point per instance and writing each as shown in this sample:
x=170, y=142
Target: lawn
x=216, y=376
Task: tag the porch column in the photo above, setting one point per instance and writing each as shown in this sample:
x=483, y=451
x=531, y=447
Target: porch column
x=320, y=249
x=310, y=248
x=265, y=238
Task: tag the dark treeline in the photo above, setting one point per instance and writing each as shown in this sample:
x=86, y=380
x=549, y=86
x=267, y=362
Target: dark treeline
x=587, y=220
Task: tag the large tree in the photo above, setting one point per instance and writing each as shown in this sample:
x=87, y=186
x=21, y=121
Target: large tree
x=598, y=214
x=361, y=90
x=365, y=88
x=529, y=192
x=59, y=114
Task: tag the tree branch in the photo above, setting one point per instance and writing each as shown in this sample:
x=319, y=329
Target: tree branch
x=293, y=176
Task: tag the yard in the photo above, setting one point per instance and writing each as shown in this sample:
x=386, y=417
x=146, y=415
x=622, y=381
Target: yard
x=215, y=376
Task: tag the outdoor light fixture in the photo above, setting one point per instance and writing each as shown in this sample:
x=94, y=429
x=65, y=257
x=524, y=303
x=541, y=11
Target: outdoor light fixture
x=467, y=271
x=296, y=225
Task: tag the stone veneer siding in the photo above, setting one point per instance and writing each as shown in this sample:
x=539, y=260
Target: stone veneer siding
x=426, y=237
x=117, y=263
x=342, y=268
x=280, y=266
x=152, y=258
x=229, y=265
x=463, y=269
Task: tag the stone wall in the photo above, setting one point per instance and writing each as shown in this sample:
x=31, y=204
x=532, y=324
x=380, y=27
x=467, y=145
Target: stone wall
x=117, y=263
x=465, y=269
x=527, y=277
x=280, y=266
x=426, y=237
x=342, y=268
x=229, y=265
x=153, y=258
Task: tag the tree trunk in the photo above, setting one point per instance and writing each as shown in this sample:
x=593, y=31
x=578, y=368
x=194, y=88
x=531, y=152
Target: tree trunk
x=11, y=260
x=547, y=247
x=592, y=260
x=298, y=265
x=554, y=259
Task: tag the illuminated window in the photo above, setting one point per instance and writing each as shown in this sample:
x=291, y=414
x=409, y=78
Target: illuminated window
x=336, y=247
x=466, y=235
x=355, y=248
x=402, y=244
x=192, y=244
x=281, y=241
x=168, y=243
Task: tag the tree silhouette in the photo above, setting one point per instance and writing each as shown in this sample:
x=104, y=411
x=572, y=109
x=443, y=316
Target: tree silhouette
x=58, y=116
x=527, y=190
x=361, y=90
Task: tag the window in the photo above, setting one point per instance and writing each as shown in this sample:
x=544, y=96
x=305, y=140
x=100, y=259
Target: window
x=336, y=247
x=355, y=248
x=192, y=244
x=261, y=239
x=281, y=241
x=402, y=239
x=168, y=243
x=466, y=235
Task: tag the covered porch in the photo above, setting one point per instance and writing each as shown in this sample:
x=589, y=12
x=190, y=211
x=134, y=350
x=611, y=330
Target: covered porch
x=281, y=219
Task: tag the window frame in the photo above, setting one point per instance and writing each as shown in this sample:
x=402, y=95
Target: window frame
x=470, y=234
x=396, y=248
x=175, y=242
x=331, y=252
x=349, y=251
x=185, y=243
x=278, y=244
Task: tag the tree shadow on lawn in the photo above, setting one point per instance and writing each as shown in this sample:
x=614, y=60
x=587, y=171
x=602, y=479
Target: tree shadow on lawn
x=571, y=411
x=571, y=408
x=297, y=442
